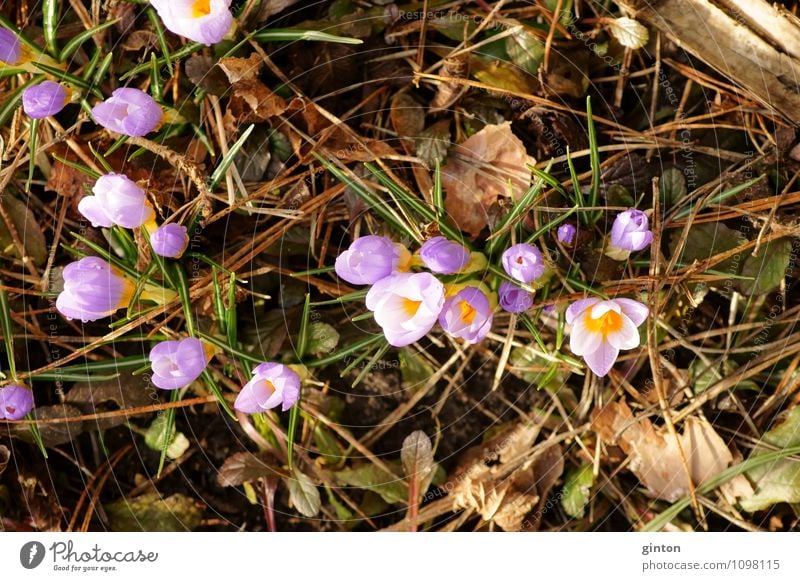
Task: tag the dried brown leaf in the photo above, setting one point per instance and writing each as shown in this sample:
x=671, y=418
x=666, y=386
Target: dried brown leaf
x=244, y=466
x=654, y=454
x=449, y=92
x=487, y=166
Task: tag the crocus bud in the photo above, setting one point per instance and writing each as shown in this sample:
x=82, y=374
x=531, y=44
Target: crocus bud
x=170, y=240
x=93, y=289
x=467, y=315
x=205, y=21
x=566, y=234
x=11, y=51
x=443, y=256
x=117, y=200
x=406, y=306
x=631, y=231
x=44, y=100
x=16, y=401
x=130, y=112
x=272, y=385
x=176, y=364
x=371, y=258
x=523, y=262
x=514, y=299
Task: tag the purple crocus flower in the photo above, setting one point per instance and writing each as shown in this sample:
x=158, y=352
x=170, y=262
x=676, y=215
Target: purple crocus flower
x=273, y=385
x=15, y=402
x=371, y=258
x=631, y=231
x=129, y=111
x=514, y=299
x=10, y=47
x=406, y=306
x=566, y=234
x=205, y=21
x=467, y=315
x=176, y=364
x=93, y=289
x=170, y=240
x=443, y=256
x=116, y=200
x=44, y=100
x=601, y=328
x=523, y=262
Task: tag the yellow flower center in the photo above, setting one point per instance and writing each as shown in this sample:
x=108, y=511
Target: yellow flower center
x=201, y=8
x=404, y=261
x=608, y=322
x=268, y=386
x=467, y=312
x=411, y=307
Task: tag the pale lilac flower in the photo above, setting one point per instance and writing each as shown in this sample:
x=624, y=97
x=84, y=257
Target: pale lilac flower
x=566, y=234
x=15, y=402
x=130, y=112
x=170, y=240
x=176, y=364
x=273, y=385
x=514, y=299
x=467, y=315
x=631, y=231
x=11, y=51
x=205, y=21
x=371, y=258
x=406, y=306
x=44, y=100
x=601, y=328
x=523, y=262
x=443, y=256
x=116, y=200
x=93, y=289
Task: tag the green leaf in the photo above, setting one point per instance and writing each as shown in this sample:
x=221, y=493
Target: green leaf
x=150, y=513
x=672, y=186
x=370, y=477
x=323, y=338
x=766, y=269
x=777, y=481
x=705, y=241
x=327, y=444
x=161, y=434
x=577, y=487
x=304, y=494
x=525, y=50
x=414, y=369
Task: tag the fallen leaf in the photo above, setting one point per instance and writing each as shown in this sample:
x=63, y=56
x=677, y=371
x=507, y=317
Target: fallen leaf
x=369, y=477
x=417, y=458
x=204, y=72
x=157, y=436
x=767, y=269
x=449, y=92
x=575, y=495
x=29, y=231
x=127, y=391
x=654, y=454
x=53, y=434
x=241, y=69
x=628, y=32
x=151, y=513
x=244, y=467
x=489, y=165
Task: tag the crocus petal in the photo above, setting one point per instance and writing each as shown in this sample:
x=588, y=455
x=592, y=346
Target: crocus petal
x=602, y=360
x=16, y=401
x=626, y=337
x=634, y=310
x=576, y=308
x=92, y=210
x=581, y=339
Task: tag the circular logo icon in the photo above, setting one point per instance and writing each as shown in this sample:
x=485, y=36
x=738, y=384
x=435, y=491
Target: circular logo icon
x=31, y=554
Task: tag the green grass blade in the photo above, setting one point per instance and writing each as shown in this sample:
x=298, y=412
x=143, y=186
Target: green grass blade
x=594, y=154
x=77, y=41
x=294, y=413
x=50, y=26
x=227, y=160
x=287, y=34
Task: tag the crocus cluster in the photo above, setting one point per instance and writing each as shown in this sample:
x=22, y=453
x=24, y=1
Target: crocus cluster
x=407, y=304
x=524, y=263
x=177, y=364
